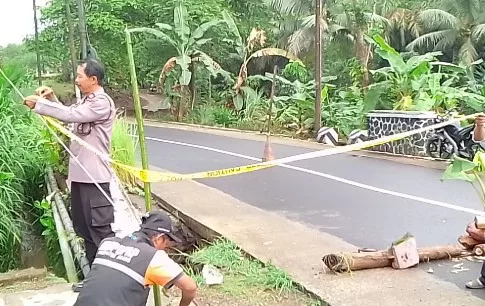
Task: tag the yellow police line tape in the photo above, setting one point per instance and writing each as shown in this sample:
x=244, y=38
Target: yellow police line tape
x=156, y=176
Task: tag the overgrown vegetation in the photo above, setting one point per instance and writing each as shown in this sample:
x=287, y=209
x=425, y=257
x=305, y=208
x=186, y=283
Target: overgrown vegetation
x=124, y=149
x=243, y=275
x=209, y=60
x=24, y=154
x=470, y=171
x=51, y=248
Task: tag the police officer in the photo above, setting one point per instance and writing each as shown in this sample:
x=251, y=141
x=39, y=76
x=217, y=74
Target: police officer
x=93, y=117
x=125, y=268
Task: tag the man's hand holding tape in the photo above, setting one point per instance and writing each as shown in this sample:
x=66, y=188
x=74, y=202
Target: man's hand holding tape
x=42, y=92
x=47, y=93
x=89, y=175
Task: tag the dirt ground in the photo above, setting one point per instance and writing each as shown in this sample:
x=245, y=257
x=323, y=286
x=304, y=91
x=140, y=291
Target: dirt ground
x=213, y=296
x=206, y=296
x=33, y=284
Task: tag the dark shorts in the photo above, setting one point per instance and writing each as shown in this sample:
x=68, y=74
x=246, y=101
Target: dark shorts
x=92, y=215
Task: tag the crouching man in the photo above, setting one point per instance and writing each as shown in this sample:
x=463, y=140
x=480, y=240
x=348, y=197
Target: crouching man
x=472, y=230
x=125, y=268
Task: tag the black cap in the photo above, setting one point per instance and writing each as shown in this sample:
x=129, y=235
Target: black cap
x=159, y=221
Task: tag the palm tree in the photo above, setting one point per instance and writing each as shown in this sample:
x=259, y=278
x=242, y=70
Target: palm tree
x=404, y=27
x=296, y=27
x=352, y=24
x=460, y=30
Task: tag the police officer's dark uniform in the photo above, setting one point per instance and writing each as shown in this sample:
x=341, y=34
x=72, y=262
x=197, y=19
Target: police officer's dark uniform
x=125, y=268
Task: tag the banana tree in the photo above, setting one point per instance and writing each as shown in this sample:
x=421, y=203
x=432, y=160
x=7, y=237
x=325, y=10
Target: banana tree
x=412, y=85
x=254, y=48
x=296, y=105
x=187, y=44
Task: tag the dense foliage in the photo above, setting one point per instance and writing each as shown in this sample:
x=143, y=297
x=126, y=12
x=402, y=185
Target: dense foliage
x=24, y=154
x=384, y=54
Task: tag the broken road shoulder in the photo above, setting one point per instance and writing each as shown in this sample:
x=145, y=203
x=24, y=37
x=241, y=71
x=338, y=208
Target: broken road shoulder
x=298, y=249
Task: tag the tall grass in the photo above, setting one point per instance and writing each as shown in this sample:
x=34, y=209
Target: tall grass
x=241, y=272
x=123, y=148
x=23, y=156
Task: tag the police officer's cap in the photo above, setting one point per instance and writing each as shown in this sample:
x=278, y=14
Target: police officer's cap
x=159, y=221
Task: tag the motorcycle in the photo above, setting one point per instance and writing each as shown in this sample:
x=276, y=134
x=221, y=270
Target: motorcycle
x=452, y=139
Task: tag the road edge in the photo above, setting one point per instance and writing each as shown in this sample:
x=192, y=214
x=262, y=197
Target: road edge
x=287, y=140
x=179, y=201
x=209, y=234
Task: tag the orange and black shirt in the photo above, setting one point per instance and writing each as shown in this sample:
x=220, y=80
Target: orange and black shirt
x=124, y=270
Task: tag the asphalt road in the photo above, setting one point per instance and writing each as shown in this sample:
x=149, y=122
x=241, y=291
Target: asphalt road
x=360, y=215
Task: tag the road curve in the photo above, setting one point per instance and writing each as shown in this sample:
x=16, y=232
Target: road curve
x=367, y=202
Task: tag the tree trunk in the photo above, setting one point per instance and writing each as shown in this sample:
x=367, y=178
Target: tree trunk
x=479, y=249
x=37, y=50
x=362, y=51
x=182, y=102
x=193, y=88
x=210, y=88
x=345, y=262
x=318, y=68
x=72, y=46
x=403, y=38
x=66, y=71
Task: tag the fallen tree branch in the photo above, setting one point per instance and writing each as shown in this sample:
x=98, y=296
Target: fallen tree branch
x=346, y=262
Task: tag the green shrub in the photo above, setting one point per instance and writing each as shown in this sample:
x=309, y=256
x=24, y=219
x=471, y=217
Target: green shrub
x=23, y=156
x=123, y=149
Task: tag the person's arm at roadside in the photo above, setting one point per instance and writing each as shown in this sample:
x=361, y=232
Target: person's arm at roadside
x=89, y=111
x=188, y=287
x=165, y=272
x=479, y=130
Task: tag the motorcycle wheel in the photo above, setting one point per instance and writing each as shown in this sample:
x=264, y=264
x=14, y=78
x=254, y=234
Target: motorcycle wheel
x=471, y=148
x=437, y=148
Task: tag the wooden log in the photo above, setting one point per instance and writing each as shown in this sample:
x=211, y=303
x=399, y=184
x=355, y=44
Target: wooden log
x=468, y=242
x=346, y=262
x=479, y=249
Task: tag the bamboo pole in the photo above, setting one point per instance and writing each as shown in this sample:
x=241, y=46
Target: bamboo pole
x=72, y=46
x=64, y=245
x=139, y=119
x=141, y=138
x=318, y=66
x=37, y=49
x=82, y=28
x=66, y=220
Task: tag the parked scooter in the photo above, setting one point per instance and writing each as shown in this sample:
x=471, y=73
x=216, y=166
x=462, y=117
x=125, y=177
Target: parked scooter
x=452, y=139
